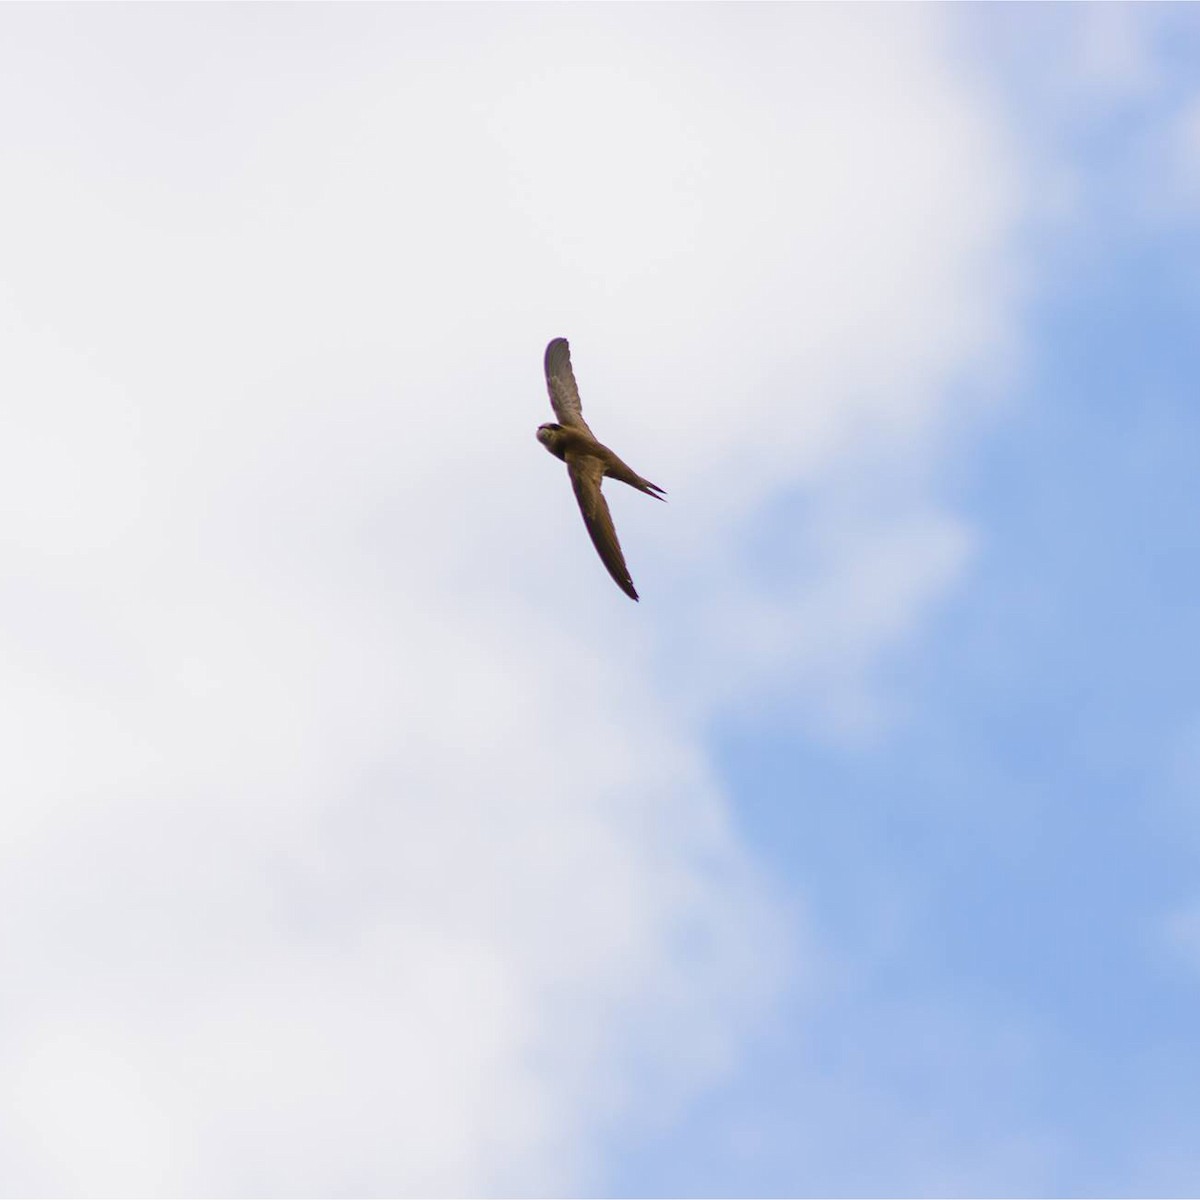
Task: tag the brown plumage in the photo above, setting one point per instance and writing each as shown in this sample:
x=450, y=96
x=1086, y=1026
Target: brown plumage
x=588, y=462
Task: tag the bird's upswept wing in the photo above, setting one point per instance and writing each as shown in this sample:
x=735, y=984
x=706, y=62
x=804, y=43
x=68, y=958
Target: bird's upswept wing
x=586, y=474
x=560, y=381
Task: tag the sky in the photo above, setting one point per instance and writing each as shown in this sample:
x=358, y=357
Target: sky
x=358, y=837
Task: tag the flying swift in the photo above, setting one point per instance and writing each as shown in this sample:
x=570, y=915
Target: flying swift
x=588, y=462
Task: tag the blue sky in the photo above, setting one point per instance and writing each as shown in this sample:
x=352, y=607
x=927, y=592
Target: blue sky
x=1001, y=867
x=361, y=838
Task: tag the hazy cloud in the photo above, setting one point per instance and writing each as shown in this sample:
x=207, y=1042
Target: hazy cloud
x=360, y=837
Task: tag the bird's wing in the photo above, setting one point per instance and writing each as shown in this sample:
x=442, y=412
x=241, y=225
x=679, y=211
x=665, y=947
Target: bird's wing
x=560, y=381
x=586, y=474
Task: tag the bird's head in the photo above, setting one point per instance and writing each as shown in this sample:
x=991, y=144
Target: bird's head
x=553, y=437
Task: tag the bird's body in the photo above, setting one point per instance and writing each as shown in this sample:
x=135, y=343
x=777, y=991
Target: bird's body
x=588, y=462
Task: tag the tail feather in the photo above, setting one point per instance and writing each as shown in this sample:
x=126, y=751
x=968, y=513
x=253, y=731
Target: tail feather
x=616, y=469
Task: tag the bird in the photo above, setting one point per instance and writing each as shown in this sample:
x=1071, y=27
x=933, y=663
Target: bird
x=588, y=462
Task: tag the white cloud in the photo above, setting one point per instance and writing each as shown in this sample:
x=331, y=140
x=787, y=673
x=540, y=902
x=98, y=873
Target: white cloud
x=359, y=835
x=1114, y=51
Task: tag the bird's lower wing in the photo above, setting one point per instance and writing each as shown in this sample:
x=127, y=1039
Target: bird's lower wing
x=560, y=382
x=586, y=474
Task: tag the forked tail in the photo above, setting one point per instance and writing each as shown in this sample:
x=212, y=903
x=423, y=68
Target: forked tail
x=651, y=489
x=616, y=469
